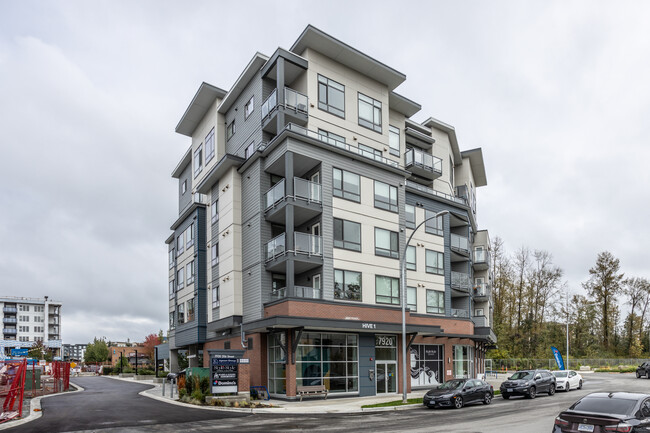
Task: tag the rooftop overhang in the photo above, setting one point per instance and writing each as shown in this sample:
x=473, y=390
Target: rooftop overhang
x=251, y=69
x=451, y=132
x=294, y=65
x=184, y=162
x=204, y=98
x=336, y=50
x=478, y=167
x=220, y=168
x=402, y=104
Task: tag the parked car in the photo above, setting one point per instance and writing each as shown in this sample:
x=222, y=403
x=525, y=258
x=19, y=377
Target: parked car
x=459, y=392
x=528, y=383
x=567, y=380
x=606, y=412
x=643, y=370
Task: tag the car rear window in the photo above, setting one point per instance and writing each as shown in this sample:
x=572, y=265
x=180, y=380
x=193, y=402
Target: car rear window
x=616, y=406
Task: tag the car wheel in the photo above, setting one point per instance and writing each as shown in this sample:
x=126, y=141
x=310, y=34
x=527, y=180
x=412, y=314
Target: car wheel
x=532, y=393
x=580, y=385
x=458, y=402
x=638, y=376
x=568, y=387
x=551, y=390
x=505, y=396
x=488, y=398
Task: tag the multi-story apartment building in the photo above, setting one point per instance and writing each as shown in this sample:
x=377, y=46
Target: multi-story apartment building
x=296, y=198
x=28, y=320
x=74, y=352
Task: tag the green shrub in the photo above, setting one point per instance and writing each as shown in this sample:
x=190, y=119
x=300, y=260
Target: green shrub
x=182, y=393
x=146, y=372
x=107, y=370
x=205, y=385
x=198, y=395
x=189, y=385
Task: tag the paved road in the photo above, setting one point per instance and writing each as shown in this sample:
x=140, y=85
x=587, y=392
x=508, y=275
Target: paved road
x=112, y=406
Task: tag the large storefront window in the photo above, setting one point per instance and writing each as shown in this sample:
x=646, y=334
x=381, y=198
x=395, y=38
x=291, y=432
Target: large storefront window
x=277, y=364
x=463, y=361
x=427, y=363
x=328, y=359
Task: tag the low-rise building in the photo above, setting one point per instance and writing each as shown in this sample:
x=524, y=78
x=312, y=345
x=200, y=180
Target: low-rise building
x=26, y=321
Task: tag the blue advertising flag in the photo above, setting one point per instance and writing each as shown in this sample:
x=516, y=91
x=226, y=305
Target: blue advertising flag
x=558, y=358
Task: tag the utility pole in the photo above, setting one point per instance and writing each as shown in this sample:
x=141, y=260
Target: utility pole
x=136, y=362
x=567, y=329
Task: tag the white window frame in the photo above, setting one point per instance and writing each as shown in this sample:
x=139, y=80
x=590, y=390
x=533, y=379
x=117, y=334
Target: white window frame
x=249, y=107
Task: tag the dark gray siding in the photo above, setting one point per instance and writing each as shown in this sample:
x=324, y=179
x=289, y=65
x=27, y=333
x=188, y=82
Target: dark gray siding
x=366, y=353
x=185, y=199
x=246, y=130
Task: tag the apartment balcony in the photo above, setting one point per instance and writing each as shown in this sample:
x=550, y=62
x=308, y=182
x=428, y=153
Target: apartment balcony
x=481, y=260
x=460, y=281
x=9, y=320
x=295, y=108
x=307, y=253
x=297, y=292
x=482, y=292
x=10, y=331
x=306, y=198
x=462, y=314
x=9, y=310
x=459, y=248
x=423, y=165
x=433, y=192
x=53, y=321
x=480, y=321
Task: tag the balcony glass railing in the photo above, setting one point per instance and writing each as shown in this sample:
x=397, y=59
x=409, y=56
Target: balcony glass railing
x=275, y=247
x=340, y=144
x=9, y=310
x=460, y=280
x=459, y=242
x=432, y=191
x=298, y=292
x=306, y=190
x=481, y=290
x=414, y=157
x=481, y=256
x=275, y=194
x=9, y=320
x=459, y=313
x=270, y=104
x=295, y=100
x=306, y=243
x=9, y=330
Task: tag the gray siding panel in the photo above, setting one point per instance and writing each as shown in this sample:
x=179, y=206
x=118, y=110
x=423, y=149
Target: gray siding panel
x=366, y=353
x=185, y=199
x=246, y=130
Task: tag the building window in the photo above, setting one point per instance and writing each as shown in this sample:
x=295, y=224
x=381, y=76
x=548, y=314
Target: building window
x=180, y=278
x=26, y=339
x=215, y=297
x=412, y=299
x=214, y=254
x=347, y=235
x=230, y=130
x=23, y=318
x=37, y=329
x=433, y=225
x=180, y=244
x=347, y=185
x=214, y=211
x=370, y=152
x=171, y=289
x=23, y=308
x=172, y=323
x=463, y=361
x=23, y=328
x=181, y=313
x=387, y=290
x=209, y=146
x=190, y=310
x=393, y=140
x=385, y=196
x=386, y=243
x=331, y=138
x=278, y=363
x=347, y=285
x=435, y=302
x=435, y=262
x=38, y=319
x=190, y=272
x=184, y=187
x=39, y=308
x=411, y=261
x=198, y=160
x=249, y=107
x=369, y=113
x=190, y=235
x=451, y=172
x=331, y=96
x=172, y=256
x=410, y=216
x=249, y=150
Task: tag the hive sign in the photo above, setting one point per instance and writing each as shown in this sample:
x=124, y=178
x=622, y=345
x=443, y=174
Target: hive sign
x=558, y=358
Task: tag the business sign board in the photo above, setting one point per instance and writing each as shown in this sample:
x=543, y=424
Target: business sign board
x=224, y=374
x=19, y=352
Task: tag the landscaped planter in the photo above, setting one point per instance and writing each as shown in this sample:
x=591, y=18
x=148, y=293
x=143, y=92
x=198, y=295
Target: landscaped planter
x=144, y=376
x=229, y=400
x=127, y=374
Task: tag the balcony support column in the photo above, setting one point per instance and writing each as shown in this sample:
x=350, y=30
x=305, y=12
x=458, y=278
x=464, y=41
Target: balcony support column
x=279, y=80
x=288, y=222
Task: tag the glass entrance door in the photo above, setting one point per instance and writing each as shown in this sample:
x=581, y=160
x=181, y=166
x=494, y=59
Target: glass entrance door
x=386, y=377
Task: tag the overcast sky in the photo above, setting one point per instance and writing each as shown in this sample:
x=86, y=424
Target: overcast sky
x=557, y=94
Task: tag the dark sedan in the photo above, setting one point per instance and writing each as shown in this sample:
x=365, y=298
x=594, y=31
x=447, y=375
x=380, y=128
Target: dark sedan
x=459, y=392
x=601, y=412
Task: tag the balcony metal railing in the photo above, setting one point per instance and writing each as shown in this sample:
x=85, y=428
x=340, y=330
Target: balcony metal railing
x=9, y=320
x=480, y=321
x=276, y=247
x=292, y=99
x=459, y=313
x=460, y=243
x=460, y=280
x=481, y=256
x=306, y=190
x=340, y=144
x=298, y=292
x=423, y=160
x=306, y=243
x=275, y=194
x=9, y=310
x=432, y=191
x=9, y=330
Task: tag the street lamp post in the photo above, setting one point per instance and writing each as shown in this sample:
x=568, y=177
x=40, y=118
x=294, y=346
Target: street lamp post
x=567, y=329
x=402, y=274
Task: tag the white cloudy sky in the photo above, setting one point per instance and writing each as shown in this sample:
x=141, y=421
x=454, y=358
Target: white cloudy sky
x=557, y=93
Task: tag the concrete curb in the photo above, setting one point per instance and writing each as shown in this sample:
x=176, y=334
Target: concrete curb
x=35, y=404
